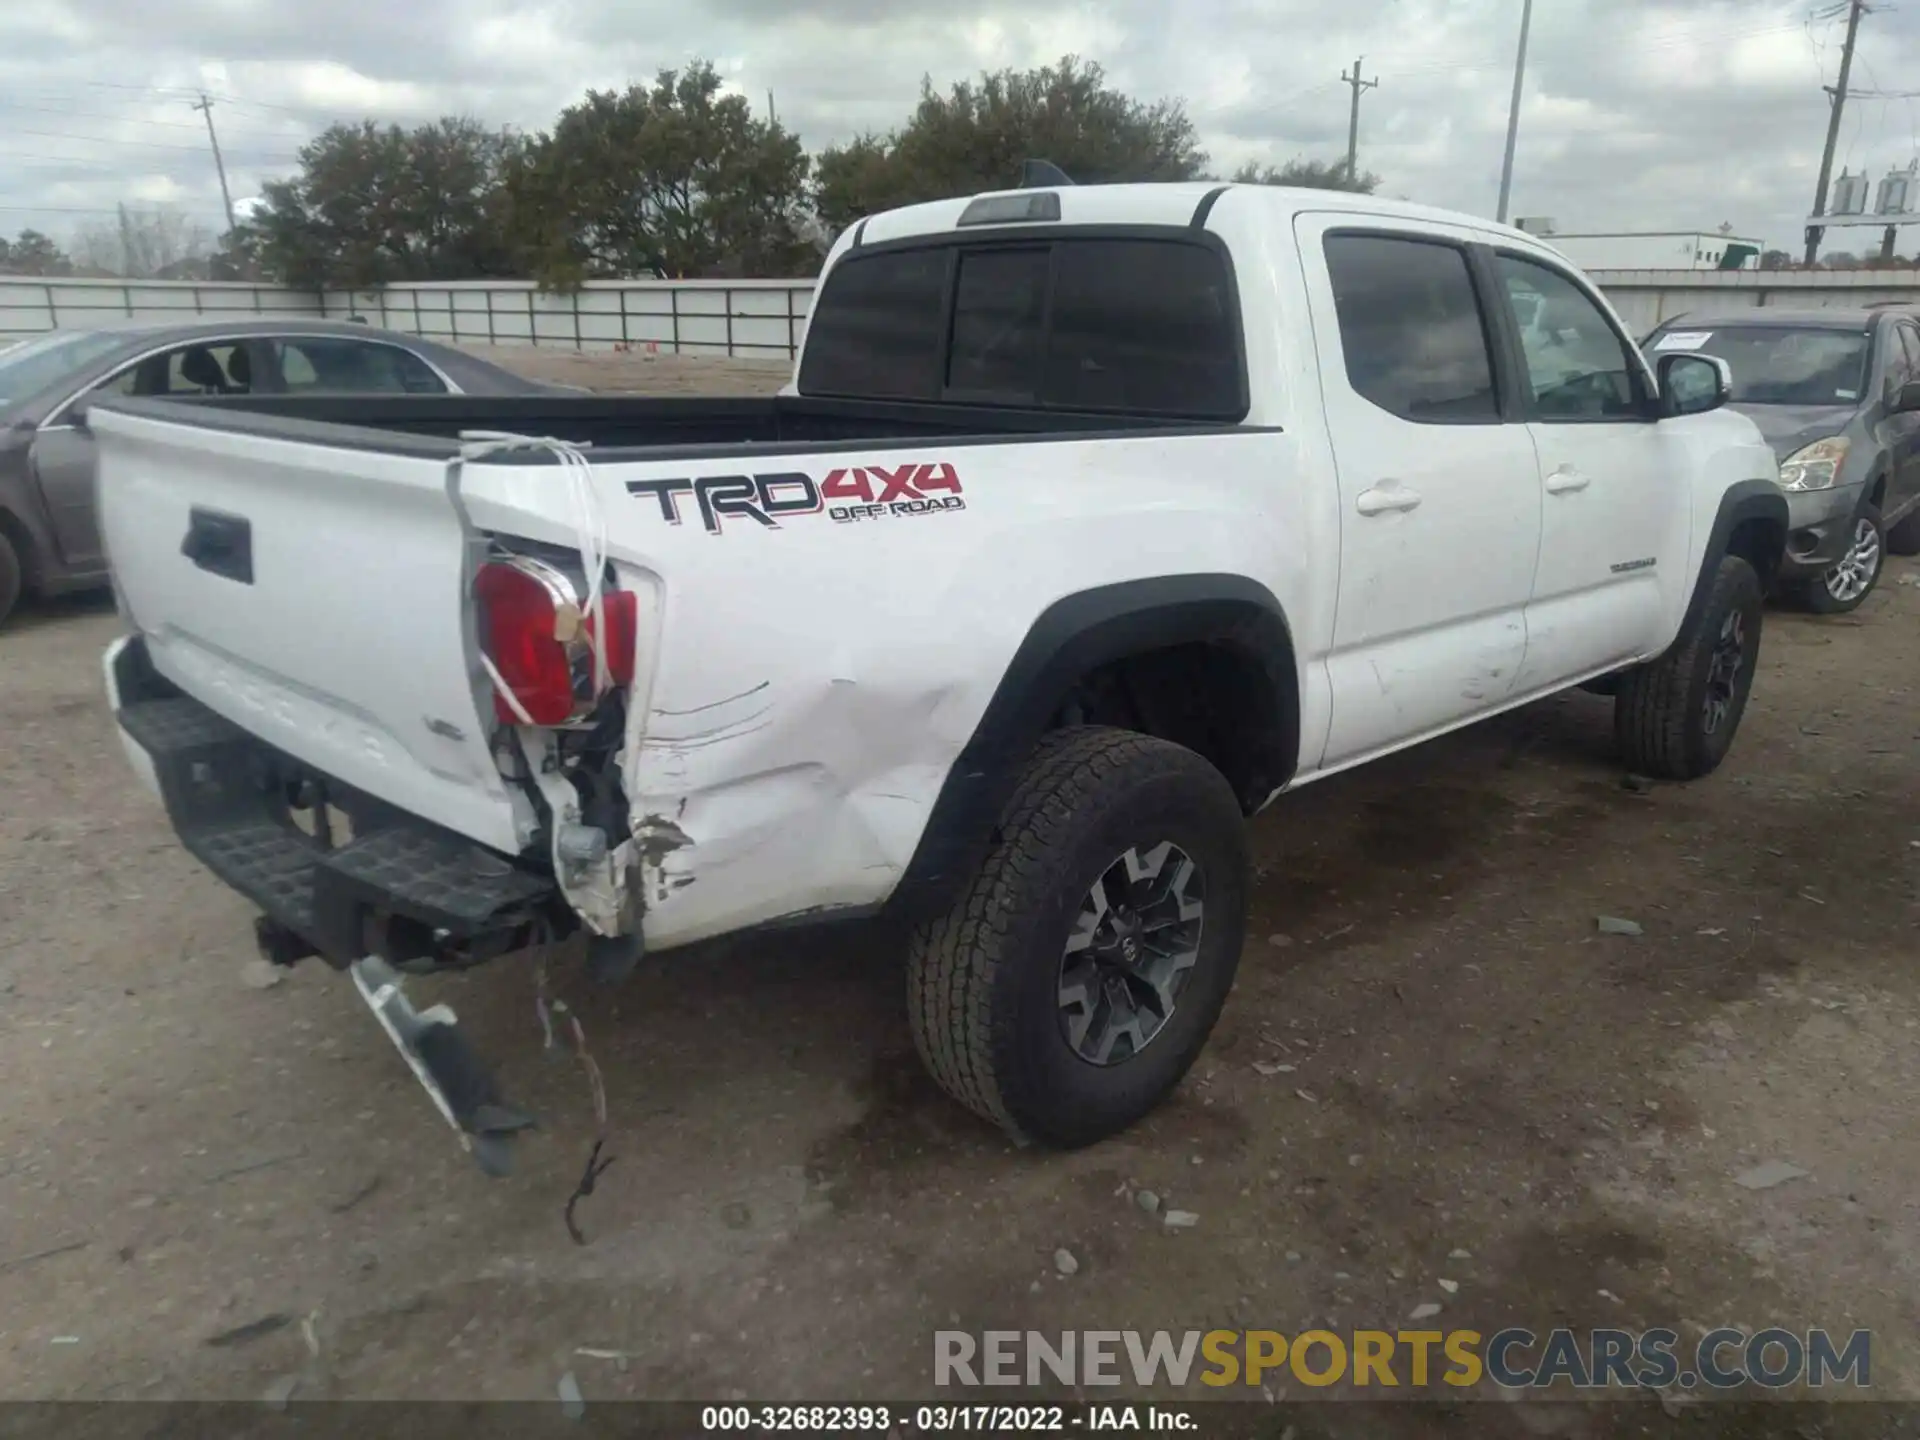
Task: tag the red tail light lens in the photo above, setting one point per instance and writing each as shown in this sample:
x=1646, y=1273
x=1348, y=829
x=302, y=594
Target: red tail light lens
x=622, y=610
x=520, y=618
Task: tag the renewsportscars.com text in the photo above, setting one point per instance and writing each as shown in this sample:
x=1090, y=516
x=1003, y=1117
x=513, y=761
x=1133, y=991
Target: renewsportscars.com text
x=1514, y=1358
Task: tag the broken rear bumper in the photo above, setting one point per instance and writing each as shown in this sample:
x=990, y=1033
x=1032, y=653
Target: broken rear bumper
x=393, y=892
x=386, y=884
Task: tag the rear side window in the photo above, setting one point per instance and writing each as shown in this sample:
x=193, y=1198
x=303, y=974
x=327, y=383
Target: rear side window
x=1138, y=326
x=354, y=367
x=1411, y=327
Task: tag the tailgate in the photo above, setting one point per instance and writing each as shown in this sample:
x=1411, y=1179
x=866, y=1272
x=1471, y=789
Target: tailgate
x=314, y=593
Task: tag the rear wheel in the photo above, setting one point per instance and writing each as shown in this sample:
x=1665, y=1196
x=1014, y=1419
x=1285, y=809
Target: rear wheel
x=12, y=577
x=1675, y=718
x=1848, y=582
x=1076, y=978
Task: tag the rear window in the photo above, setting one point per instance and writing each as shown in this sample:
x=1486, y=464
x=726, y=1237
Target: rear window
x=1138, y=326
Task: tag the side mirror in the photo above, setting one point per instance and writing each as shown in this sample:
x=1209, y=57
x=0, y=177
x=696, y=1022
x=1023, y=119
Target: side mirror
x=1907, y=398
x=1692, y=384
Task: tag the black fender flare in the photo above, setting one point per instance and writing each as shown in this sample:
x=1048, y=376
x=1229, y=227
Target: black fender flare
x=1749, y=508
x=1073, y=637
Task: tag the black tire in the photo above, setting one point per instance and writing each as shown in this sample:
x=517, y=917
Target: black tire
x=1662, y=717
x=1824, y=594
x=984, y=981
x=12, y=576
x=1904, y=538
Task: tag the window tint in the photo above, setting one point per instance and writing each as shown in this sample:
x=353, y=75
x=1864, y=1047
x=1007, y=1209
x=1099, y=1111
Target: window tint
x=1144, y=327
x=1411, y=328
x=1577, y=365
x=999, y=307
x=876, y=327
x=354, y=367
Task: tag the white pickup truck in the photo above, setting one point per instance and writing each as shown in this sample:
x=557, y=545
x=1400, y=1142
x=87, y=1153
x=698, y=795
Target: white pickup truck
x=1093, y=520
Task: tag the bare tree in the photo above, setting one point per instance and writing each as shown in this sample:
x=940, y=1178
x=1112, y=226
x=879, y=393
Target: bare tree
x=159, y=244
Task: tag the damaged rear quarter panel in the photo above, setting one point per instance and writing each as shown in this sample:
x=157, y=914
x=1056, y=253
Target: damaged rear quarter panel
x=805, y=682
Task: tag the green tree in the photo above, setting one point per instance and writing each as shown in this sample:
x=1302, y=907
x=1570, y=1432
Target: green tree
x=374, y=204
x=975, y=136
x=33, y=254
x=1308, y=175
x=676, y=178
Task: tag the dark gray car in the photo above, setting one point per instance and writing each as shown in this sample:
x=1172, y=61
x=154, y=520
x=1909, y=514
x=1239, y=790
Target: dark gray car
x=1837, y=394
x=49, y=541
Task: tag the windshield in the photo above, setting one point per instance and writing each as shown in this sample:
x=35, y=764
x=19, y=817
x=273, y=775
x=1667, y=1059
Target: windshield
x=1782, y=365
x=29, y=368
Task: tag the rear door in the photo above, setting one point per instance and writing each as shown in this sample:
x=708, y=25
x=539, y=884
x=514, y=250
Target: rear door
x=1440, y=496
x=1613, y=535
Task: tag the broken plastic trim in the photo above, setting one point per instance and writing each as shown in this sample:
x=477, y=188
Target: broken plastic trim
x=445, y=1065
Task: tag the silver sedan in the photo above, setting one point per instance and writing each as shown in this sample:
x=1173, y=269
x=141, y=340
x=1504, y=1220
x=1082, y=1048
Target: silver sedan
x=49, y=540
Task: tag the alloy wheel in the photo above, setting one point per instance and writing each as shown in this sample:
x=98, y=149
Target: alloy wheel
x=1853, y=575
x=1132, y=948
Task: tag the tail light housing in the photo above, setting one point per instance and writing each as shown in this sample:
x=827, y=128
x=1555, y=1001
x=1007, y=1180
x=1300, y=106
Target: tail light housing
x=541, y=642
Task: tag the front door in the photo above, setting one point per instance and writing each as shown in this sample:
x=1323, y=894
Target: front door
x=1440, y=497
x=1614, y=527
x=1902, y=428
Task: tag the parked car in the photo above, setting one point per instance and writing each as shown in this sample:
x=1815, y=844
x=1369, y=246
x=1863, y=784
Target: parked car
x=1099, y=518
x=49, y=537
x=1837, y=393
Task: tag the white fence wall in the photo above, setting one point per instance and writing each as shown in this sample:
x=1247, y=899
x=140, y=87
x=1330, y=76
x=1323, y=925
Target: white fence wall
x=762, y=318
x=1646, y=297
x=751, y=319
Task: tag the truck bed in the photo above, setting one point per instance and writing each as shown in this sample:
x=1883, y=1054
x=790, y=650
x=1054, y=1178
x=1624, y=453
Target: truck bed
x=661, y=426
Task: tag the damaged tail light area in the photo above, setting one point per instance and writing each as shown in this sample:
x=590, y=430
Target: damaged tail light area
x=542, y=643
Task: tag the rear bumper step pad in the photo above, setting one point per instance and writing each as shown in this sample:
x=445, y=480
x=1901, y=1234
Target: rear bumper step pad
x=224, y=792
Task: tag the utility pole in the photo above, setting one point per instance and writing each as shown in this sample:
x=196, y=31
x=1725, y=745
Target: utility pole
x=1513, y=110
x=1353, y=119
x=205, y=107
x=1838, y=94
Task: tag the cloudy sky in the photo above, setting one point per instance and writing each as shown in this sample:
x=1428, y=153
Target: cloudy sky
x=1639, y=114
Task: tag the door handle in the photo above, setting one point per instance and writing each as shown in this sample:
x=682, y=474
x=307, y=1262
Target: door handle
x=1387, y=496
x=219, y=543
x=1565, y=481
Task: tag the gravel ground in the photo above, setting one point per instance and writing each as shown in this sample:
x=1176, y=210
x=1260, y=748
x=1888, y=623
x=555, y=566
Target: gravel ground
x=191, y=1166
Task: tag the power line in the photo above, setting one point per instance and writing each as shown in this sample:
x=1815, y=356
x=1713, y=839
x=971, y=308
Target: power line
x=142, y=121
x=116, y=140
x=90, y=209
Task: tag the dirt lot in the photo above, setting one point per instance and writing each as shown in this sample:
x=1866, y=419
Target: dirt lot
x=189, y=1167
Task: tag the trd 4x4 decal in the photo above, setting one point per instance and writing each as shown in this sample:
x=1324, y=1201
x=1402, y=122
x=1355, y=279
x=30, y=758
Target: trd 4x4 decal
x=865, y=492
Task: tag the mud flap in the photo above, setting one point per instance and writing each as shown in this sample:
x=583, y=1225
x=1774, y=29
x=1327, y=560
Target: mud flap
x=445, y=1065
